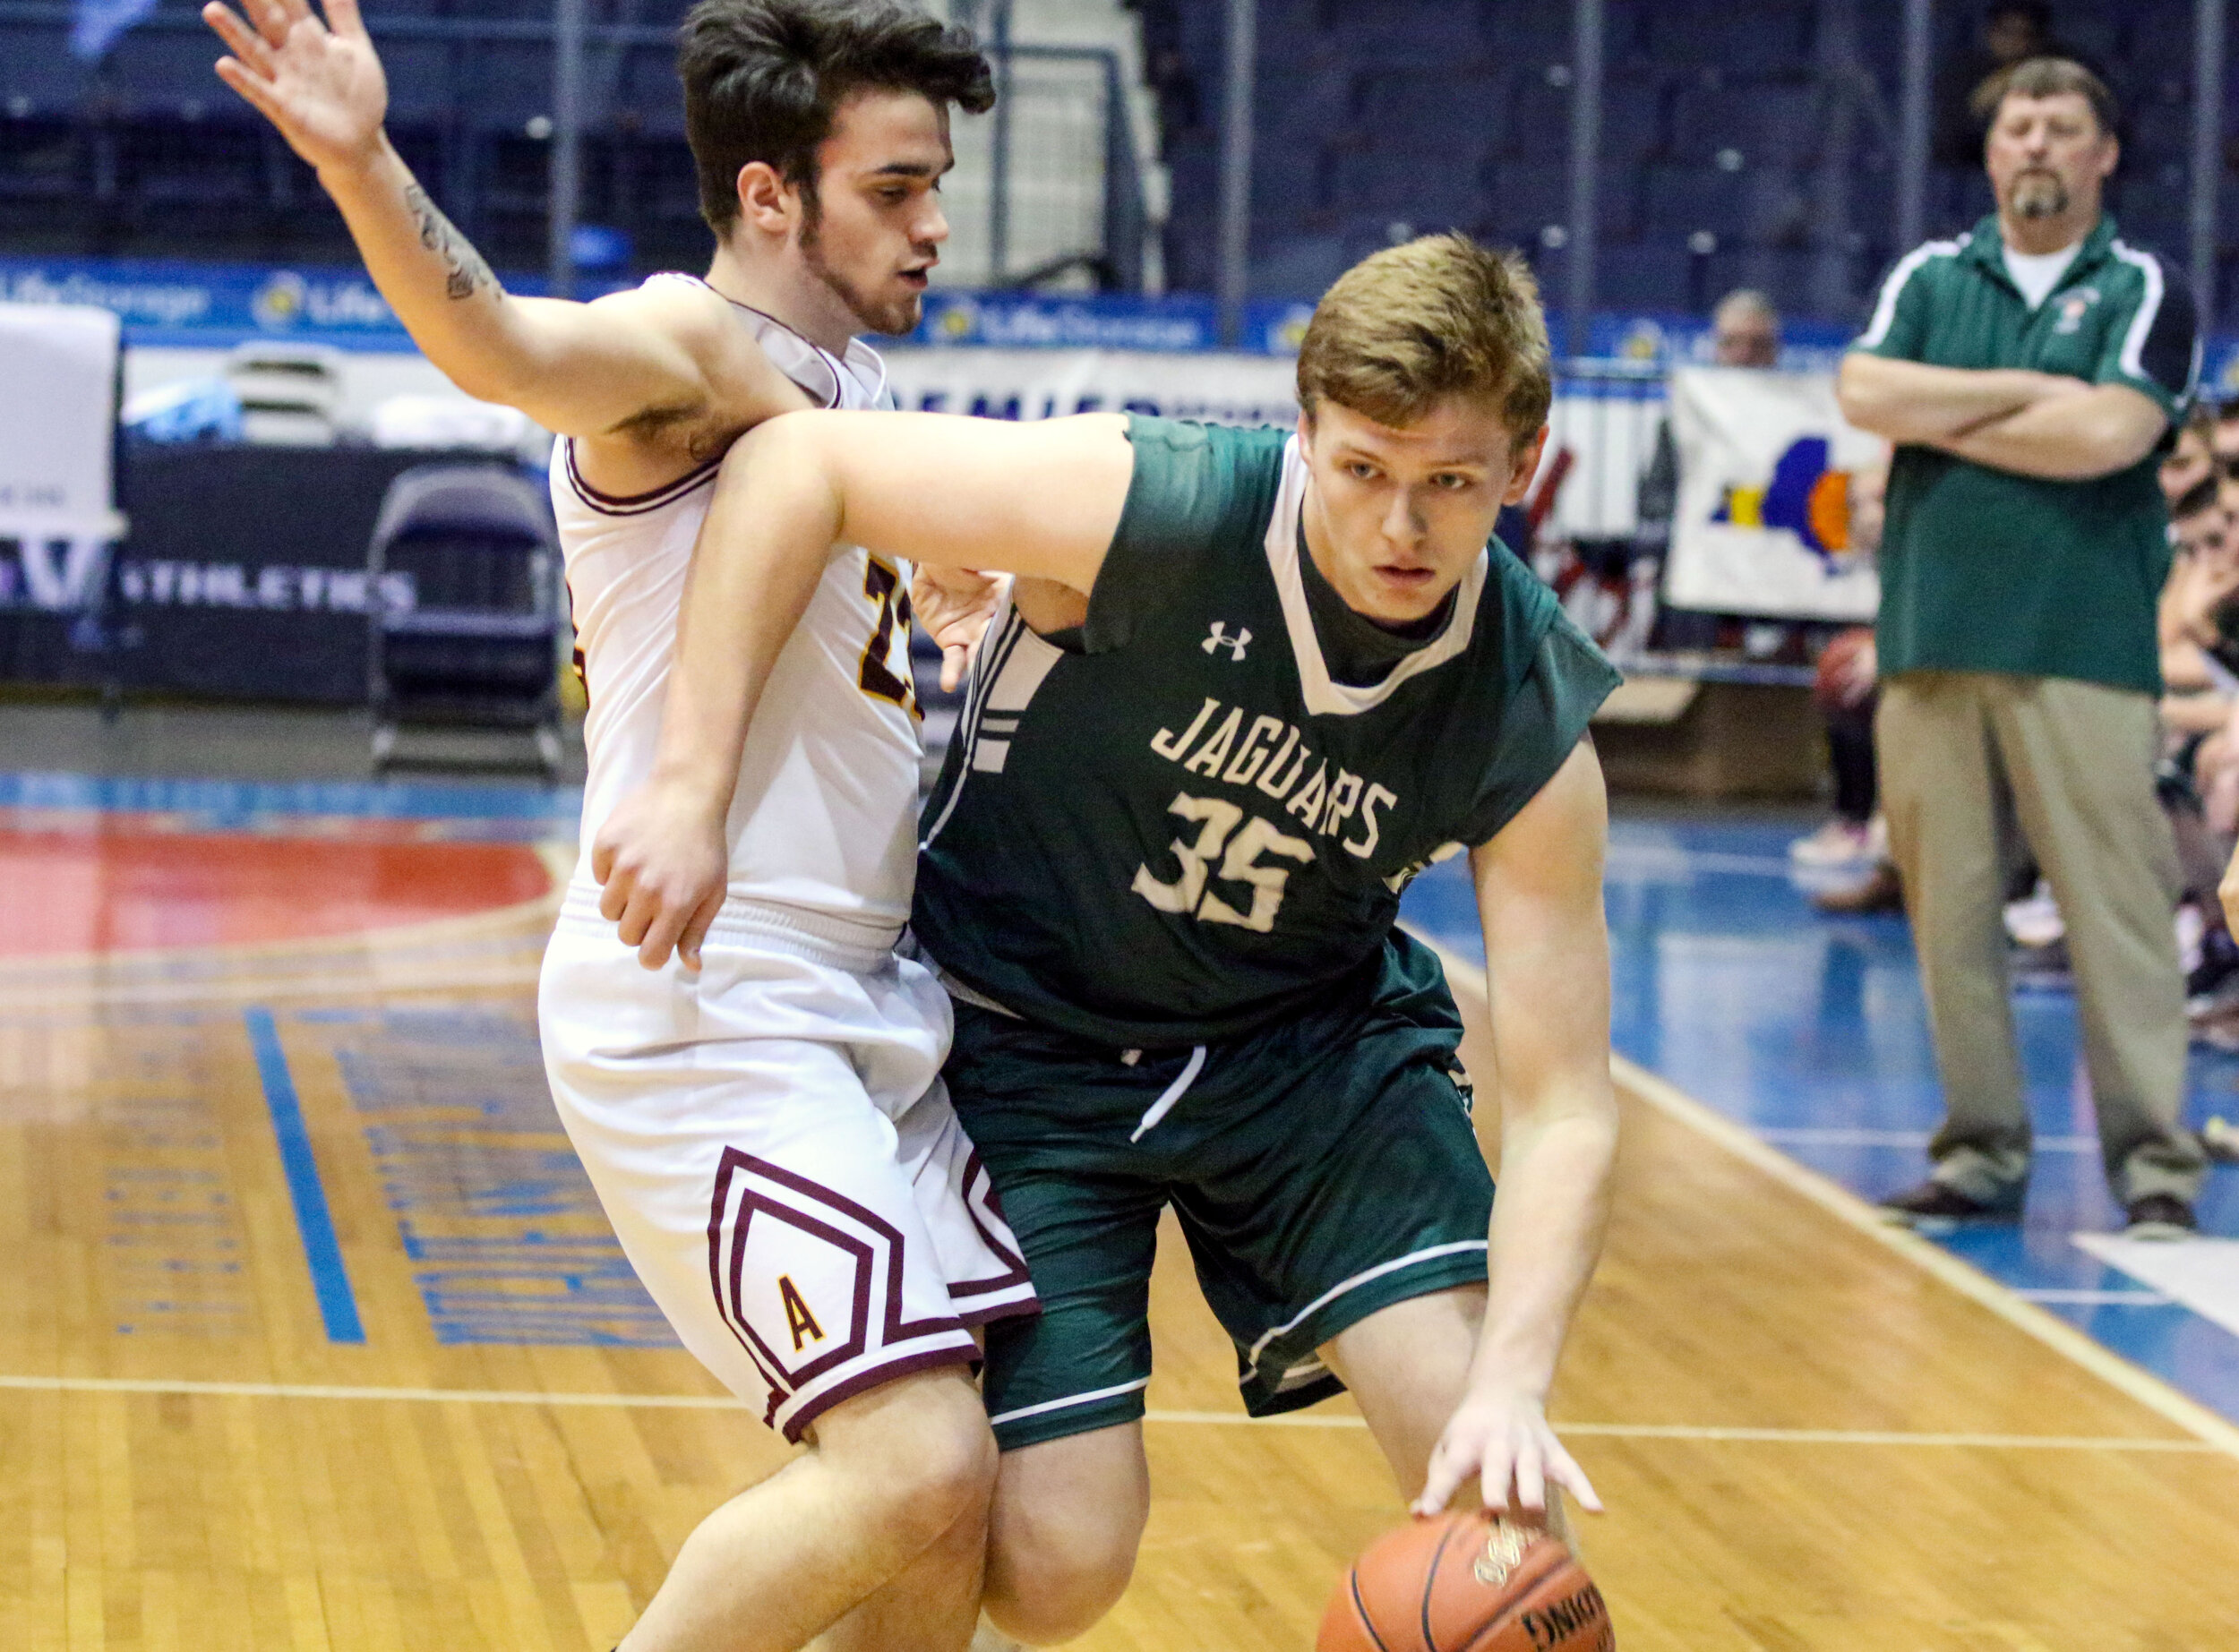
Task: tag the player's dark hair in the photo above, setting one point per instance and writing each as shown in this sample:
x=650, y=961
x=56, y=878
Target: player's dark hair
x=2047, y=77
x=1440, y=316
x=765, y=79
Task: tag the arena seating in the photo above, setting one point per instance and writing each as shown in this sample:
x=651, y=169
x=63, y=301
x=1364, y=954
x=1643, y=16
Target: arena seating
x=1714, y=142
x=147, y=152
x=1371, y=122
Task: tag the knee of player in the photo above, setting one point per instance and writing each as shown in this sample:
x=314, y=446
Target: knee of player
x=1053, y=1572
x=922, y=1446
x=946, y=1476
x=1050, y=1606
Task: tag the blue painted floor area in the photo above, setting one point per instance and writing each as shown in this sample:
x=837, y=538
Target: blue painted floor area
x=1811, y=1031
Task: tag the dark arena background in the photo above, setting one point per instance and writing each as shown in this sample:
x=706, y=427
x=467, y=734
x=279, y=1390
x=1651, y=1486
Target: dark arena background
x=314, y=1336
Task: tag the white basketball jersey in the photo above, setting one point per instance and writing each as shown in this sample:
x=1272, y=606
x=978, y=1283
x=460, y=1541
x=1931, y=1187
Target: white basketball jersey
x=821, y=829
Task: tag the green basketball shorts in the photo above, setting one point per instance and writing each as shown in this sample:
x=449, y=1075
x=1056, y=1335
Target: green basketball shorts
x=1321, y=1170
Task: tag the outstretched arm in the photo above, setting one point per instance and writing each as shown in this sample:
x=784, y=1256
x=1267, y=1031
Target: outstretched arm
x=577, y=369
x=1042, y=499
x=1547, y=972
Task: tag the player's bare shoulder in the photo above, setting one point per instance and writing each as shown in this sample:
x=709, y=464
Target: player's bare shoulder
x=724, y=384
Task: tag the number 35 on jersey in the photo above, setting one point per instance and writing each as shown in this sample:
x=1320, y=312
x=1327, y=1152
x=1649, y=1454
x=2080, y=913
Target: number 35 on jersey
x=1243, y=857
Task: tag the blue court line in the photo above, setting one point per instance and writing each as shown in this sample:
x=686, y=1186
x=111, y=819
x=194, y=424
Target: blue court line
x=232, y=803
x=321, y=1249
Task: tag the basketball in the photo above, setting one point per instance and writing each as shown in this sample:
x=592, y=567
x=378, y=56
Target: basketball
x=1466, y=1583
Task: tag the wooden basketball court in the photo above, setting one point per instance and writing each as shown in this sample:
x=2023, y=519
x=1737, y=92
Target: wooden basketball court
x=313, y=1338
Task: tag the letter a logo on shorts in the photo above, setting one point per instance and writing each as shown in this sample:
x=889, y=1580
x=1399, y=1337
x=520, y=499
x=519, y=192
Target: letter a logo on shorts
x=798, y=1319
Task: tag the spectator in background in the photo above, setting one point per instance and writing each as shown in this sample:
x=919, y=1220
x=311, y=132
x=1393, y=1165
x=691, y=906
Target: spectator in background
x=2012, y=32
x=1745, y=332
x=1844, y=695
x=2200, y=771
x=2192, y=460
x=2025, y=551
x=2203, y=576
x=1846, y=692
x=2223, y=438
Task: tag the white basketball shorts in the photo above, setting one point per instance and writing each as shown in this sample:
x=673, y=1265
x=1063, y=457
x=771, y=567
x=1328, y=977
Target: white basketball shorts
x=773, y=1143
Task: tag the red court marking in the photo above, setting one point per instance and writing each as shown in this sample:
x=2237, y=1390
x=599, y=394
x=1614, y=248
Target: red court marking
x=127, y=891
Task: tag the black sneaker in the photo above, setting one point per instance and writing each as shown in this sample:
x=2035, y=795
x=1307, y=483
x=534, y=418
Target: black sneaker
x=2160, y=1216
x=1937, y=1207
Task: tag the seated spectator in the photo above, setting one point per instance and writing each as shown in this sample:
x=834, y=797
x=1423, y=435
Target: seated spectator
x=1846, y=692
x=2203, y=576
x=1843, y=692
x=1745, y=332
x=2192, y=459
x=2223, y=437
x=2198, y=778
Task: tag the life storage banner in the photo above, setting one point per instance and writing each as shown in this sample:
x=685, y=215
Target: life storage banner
x=1762, y=524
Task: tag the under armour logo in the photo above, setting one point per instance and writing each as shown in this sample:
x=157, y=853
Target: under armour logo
x=1220, y=638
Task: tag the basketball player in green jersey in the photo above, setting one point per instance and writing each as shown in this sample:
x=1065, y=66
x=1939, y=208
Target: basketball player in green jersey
x=1254, y=682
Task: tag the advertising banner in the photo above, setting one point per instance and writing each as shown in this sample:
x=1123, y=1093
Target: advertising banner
x=1763, y=521
x=1041, y=384
x=174, y=303
x=57, y=448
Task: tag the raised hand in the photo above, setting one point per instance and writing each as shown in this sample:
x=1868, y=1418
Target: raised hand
x=319, y=82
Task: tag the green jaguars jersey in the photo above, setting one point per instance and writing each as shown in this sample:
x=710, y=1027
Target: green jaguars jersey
x=1183, y=828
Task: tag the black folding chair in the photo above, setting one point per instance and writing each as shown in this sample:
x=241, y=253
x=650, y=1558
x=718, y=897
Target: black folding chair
x=469, y=609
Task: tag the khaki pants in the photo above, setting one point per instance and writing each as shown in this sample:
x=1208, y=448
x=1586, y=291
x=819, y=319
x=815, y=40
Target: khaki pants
x=1965, y=756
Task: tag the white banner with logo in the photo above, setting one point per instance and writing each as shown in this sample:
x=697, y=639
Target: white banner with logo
x=1763, y=521
x=1042, y=384
x=58, y=444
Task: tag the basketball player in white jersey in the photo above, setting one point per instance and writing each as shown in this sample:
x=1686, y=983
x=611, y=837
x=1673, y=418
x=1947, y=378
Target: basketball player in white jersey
x=768, y=1132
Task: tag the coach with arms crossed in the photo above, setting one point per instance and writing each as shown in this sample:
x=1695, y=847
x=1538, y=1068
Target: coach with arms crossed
x=2030, y=372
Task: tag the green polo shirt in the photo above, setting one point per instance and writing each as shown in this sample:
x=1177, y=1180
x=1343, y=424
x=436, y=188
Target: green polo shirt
x=1984, y=570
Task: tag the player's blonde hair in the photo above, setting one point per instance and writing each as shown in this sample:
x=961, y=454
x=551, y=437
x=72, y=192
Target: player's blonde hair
x=1440, y=316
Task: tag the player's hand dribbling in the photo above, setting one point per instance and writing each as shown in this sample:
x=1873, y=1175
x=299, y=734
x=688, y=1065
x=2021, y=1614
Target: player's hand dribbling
x=664, y=868
x=1505, y=1437
x=321, y=85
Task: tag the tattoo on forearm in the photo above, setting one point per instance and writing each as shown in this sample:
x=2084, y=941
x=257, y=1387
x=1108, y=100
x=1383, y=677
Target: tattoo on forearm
x=467, y=273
